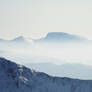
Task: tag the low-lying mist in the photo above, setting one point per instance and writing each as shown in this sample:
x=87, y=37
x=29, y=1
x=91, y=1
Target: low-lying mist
x=64, y=60
x=57, y=54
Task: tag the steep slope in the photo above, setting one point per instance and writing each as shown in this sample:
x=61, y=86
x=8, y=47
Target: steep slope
x=80, y=71
x=17, y=78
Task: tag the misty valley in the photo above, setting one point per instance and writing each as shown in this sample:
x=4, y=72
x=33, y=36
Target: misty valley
x=59, y=62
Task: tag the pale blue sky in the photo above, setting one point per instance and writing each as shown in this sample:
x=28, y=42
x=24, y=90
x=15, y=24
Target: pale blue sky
x=35, y=18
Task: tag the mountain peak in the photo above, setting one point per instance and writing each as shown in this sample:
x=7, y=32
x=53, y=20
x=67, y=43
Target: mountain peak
x=22, y=39
x=19, y=38
x=57, y=34
x=61, y=37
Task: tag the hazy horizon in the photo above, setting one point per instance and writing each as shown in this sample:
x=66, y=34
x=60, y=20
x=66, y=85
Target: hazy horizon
x=41, y=36
x=36, y=18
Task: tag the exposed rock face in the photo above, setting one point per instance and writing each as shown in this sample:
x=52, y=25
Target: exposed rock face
x=18, y=78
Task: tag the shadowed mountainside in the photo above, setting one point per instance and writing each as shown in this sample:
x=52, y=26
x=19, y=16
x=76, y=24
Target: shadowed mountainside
x=18, y=78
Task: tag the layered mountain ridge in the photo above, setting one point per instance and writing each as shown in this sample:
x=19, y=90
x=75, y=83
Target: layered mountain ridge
x=18, y=78
x=51, y=36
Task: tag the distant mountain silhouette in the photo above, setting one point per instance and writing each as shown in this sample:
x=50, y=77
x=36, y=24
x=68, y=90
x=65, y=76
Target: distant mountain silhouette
x=3, y=40
x=19, y=39
x=51, y=37
x=61, y=37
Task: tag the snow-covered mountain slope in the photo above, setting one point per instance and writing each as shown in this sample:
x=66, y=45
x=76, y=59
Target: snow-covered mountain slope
x=18, y=78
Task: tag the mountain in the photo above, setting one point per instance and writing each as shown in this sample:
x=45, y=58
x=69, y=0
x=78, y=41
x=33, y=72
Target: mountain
x=80, y=71
x=52, y=37
x=19, y=39
x=3, y=41
x=61, y=37
x=18, y=42
x=18, y=78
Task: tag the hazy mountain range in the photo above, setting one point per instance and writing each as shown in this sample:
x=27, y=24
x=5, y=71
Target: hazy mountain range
x=50, y=37
x=45, y=58
x=61, y=37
